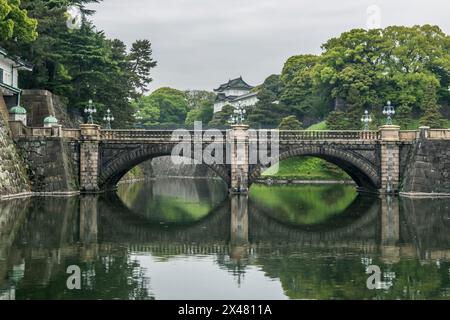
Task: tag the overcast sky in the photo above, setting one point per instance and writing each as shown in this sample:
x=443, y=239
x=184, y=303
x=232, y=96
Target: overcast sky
x=200, y=44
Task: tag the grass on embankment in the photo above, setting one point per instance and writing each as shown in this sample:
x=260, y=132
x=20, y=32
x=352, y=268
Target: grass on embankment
x=306, y=168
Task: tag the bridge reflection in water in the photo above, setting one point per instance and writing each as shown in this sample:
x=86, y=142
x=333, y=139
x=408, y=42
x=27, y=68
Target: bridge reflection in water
x=112, y=243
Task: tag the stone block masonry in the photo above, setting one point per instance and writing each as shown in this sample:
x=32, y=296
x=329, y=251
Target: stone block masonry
x=13, y=177
x=89, y=158
x=42, y=103
x=51, y=163
x=428, y=168
x=89, y=166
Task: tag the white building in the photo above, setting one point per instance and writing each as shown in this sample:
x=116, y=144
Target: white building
x=236, y=93
x=9, y=78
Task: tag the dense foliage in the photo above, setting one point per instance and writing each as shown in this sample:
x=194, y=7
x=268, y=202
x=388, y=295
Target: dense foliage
x=81, y=63
x=290, y=123
x=363, y=69
x=15, y=22
x=357, y=71
x=168, y=106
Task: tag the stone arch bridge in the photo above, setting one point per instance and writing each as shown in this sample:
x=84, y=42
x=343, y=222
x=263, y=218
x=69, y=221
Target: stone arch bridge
x=94, y=160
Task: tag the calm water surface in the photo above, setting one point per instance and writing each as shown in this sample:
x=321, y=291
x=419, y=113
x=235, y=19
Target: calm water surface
x=187, y=239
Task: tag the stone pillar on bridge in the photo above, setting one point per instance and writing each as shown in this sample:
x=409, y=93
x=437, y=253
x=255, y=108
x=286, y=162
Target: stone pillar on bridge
x=89, y=158
x=239, y=158
x=390, y=159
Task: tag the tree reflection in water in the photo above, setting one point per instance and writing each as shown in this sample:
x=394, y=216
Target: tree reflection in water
x=256, y=237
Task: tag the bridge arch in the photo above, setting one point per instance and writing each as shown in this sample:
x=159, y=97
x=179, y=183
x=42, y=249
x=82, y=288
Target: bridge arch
x=116, y=166
x=361, y=170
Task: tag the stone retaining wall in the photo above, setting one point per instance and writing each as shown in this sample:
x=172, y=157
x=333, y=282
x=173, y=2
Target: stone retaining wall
x=13, y=177
x=51, y=162
x=428, y=168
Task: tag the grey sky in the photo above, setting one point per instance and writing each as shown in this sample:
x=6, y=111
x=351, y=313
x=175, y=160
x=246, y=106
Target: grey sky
x=200, y=44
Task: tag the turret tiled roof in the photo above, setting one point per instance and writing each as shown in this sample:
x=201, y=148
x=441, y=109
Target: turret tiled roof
x=237, y=83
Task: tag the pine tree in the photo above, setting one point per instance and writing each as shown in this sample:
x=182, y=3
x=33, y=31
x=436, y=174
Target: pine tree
x=403, y=116
x=221, y=118
x=290, y=123
x=431, y=116
x=142, y=63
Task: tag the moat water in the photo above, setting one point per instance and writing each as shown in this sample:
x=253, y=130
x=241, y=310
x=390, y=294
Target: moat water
x=187, y=239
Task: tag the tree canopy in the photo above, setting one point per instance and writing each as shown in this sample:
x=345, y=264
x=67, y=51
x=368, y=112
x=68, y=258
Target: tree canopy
x=82, y=63
x=15, y=22
x=361, y=70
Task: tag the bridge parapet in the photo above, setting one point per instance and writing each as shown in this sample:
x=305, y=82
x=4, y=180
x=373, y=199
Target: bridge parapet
x=328, y=135
x=156, y=135
x=20, y=130
x=439, y=134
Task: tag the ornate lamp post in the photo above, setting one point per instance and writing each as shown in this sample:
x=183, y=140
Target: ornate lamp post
x=90, y=110
x=389, y=111
x=238, y=115
x=108, y=118
x=366, y=119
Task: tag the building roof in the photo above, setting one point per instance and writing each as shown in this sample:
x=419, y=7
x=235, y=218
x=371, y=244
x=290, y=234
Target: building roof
x=7, y=89
x=19, y=64
x=237, y=83
x=222, y=97
x=246, y=96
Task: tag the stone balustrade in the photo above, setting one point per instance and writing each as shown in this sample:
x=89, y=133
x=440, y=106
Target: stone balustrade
x=439, y=134
x=19, y=130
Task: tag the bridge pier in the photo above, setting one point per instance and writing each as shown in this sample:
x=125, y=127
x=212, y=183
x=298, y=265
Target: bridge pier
x=390, y=229
x=88, y=219
x=89, y=158
x=239, y=239
x=239, y=140
x=390, y=159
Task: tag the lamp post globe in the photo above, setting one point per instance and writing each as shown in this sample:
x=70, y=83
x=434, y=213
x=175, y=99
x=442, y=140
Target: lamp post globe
x=108, y=118
x=90, y=110
x=238, y=116
x=366, y=119
x=389, y=111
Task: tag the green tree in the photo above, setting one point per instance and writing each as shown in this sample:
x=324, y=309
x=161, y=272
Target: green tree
x=170, y=104
x=268, y=111
x=197, y=98
x=204, y=113
x=222, y=117
x=364, y=69
x=431, y=116
x=290, y=123
x=201, y=105
x=403, y=116
x=299, y=94
x=148, y=110
x=141, y=64
x=82, y=64
x=15, y=22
